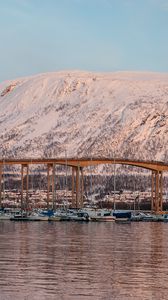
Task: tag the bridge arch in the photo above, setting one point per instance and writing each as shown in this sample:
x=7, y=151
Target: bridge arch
x=78, y=164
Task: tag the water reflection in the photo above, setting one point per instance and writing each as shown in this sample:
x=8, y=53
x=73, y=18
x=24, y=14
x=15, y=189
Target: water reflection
x=83, y=261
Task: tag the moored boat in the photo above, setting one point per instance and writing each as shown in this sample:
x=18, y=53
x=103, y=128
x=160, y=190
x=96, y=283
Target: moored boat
x=24, y=216
x=76, y=216
x=137, y=217
x=20, y=216
x=122, y=216
x=38, y=217
x=101, y=215
x=119, y=214
x=4, y=216
x=54, y=218
x=103, y=218
x=123, y=220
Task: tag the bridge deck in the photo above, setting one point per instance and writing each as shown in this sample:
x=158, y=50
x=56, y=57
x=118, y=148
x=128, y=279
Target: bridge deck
x=85, y=162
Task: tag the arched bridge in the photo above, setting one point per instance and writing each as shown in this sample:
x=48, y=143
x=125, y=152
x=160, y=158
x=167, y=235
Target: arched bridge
x=78, y=164
x=85, y=162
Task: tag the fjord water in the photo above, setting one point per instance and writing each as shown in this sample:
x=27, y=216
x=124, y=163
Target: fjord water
x=67, y=261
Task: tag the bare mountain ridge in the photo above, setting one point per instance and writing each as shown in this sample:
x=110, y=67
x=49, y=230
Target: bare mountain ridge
x=122, y=114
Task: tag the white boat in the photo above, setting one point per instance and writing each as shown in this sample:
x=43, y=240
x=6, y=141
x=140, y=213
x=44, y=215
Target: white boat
x=61, y=215
x=24, y=216
x=136, y=217
x=37, y=217
x=80, y=216
x=4, y=216
x=76, y=216
x=100, y=215
x=147, y=217
x=20, y=216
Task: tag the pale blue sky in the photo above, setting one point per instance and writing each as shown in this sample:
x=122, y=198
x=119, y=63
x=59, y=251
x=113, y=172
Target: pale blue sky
x=95, y=35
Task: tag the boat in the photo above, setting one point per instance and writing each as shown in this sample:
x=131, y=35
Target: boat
x=137, y=217
x=119, y=214
x=24, y=216
x=103, y=219
x=101, y=215
x=61, y=215
x=165, y=218
x=5, y=216
x=147, y=217
x=123, y=220
x=122, y=216
x=20, y=216
x=47, y=213
x=54, y=218
x=76, y=216
x=37, y=217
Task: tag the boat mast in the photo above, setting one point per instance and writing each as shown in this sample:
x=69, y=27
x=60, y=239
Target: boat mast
x=91, y=184
x=3, y=181
x=66, y=181
x=114, y=184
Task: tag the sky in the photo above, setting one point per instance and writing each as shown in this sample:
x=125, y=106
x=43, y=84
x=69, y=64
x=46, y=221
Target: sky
x=38, y=36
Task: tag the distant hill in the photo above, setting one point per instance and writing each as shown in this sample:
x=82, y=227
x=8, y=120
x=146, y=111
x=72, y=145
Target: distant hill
x=122, y=114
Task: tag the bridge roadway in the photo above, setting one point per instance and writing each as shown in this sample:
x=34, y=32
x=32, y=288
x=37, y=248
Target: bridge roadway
x=77, y=165
x=85, y=162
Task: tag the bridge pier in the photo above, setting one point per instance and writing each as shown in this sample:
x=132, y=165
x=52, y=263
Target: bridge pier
x=53, y=188
x=73, y=185
x=24, y=205
x=50, y=184
x=79, y=187
x=0, y=186
x=157, y=191
x=82, y=187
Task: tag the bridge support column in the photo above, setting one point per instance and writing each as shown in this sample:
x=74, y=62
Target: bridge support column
x=73, y=184
x=0, y=186
x=157, y=190
x=82, y=188
x=22, y=169
x=24, y=205
x=51, y=185
x=49, y=166
x=152, y=191
x=77, y=187
x=53, y=188
x=27, y=186
x=161, y=191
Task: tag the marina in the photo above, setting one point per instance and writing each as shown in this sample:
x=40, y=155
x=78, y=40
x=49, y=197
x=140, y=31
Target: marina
x=85, y=215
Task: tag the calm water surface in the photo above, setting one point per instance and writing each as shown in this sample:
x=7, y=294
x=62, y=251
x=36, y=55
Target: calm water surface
x=68, y=261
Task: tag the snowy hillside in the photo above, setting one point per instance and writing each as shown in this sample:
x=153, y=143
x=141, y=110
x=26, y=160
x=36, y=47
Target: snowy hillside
x=85, y=114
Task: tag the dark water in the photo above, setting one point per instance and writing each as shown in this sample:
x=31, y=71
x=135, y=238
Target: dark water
x=70, y=261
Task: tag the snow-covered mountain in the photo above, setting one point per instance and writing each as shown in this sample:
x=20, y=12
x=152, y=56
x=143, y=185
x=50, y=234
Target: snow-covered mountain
x=85, y=114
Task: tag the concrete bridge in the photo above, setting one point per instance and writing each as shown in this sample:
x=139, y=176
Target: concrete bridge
x=77, y=165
